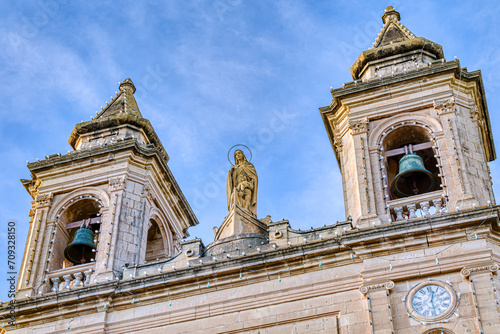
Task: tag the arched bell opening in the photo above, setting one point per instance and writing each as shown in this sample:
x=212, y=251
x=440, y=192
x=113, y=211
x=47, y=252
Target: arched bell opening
x=79, y=226
x=438, y=331
x=410, y=162
x=155, y=245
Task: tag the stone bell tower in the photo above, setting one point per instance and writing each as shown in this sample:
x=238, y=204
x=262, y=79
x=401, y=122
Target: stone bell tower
x=407, y=101
x=116, y=184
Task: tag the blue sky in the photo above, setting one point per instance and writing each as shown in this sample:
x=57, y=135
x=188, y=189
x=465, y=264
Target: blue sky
x=211, y=74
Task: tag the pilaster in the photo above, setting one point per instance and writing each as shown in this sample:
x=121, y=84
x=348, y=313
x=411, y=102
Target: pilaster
x=378, y=300
x=484, y=296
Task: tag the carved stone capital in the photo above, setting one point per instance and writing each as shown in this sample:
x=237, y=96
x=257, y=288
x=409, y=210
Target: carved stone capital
x=466, y=272
x=359, y=125
x=445, y=107
x=337, y=142
x=388, y=285
x=148, y=193
x=176, y=242
x=44, y=199
x=117, y=183
x=474, y=115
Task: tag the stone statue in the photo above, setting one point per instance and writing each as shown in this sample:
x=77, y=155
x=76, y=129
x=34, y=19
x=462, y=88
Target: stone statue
x=242, y=184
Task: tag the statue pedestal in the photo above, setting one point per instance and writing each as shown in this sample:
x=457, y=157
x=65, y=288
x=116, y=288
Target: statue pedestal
x=239, y=230
x=240, y=221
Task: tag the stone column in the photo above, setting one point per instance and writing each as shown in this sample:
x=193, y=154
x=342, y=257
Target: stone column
x=109, y=231
x=425, y=208
x=55, y=283
x=399, y=213
x=412, y=208
x=34, y=275
x=78, y=279
x=87, y=276
x=363, y=172
x=483, y=289
x=379, y=307
x=67, y=281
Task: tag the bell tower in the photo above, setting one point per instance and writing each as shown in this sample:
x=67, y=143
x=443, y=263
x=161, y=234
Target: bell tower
x=110, y=203
x=411, y=132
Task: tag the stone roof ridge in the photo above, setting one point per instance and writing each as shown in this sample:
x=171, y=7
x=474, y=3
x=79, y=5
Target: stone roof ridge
x=393, y=30
x=123, y=102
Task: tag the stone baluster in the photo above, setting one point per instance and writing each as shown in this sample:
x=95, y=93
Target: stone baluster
x=412, y=208
x=437, y=204
x=87, y=276
x=78, y=279
x=67, y=280
x=399, y=213
x=55, y=283
x=425, y=208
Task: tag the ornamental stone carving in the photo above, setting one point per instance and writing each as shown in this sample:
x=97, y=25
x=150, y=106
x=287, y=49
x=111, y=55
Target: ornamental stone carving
x=466, y=272
x=364, y=289
x=337, y=142
x=117, y=183
x=148, y=193
x=474, y=115
x=445, y=107
x=359, y=126
x=44, y=199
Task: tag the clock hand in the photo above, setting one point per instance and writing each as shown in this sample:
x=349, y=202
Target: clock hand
x=432, y=302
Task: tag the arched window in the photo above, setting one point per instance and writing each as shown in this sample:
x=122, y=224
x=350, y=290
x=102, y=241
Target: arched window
x=155, y=246
x=80, y=213
x=410, y=161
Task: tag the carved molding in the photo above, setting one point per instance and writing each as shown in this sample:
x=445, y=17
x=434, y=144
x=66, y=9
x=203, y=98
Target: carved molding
x=466, y=272
x=117, y=183
x=337, y=142
x=44, y=199
x=176, y=242
x=445, y=107
x=364, y=289
x=359, y=126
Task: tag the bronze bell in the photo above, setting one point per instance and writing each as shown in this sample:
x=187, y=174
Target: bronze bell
x=412, y=178
x=79, y=251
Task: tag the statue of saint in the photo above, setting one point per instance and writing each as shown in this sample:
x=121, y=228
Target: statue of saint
x=242, y=184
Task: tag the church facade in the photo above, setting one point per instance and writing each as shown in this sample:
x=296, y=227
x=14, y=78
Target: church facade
x=418, y=251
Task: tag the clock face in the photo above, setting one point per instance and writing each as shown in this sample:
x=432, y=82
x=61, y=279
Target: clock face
x=431, y=301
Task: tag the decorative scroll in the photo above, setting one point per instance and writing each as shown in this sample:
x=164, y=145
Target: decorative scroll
x=466, y=272
x=364, y=289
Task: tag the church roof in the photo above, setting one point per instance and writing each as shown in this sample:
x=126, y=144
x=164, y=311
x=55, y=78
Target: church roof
x=393, y=30
x=394, y=39
x=124, y=101
x=122, y=109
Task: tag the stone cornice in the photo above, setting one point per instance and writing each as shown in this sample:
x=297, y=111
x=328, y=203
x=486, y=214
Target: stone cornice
x=297, y=258
x=470, y=270
x=117, y=120
x=385, y=285
x=145, y=150
x=385, y=81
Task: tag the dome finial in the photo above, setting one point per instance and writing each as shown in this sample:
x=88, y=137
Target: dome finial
x=127, y=83
x=390, y=14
